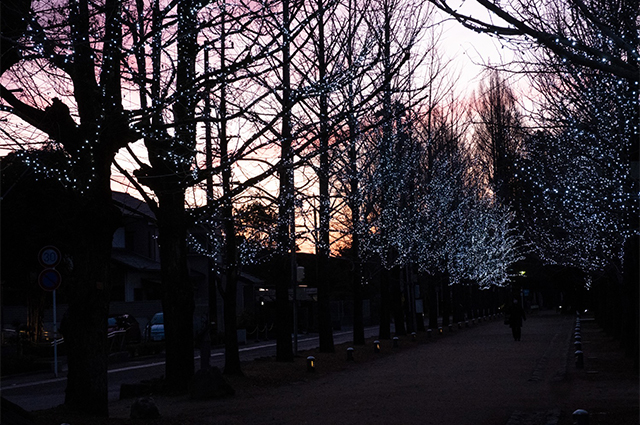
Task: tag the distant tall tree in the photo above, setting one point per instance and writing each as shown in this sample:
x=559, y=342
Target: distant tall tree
x=358, y=54
x=398, y=27
x=286, y=204
x=498, y=135
x=221, y=97
x=321, y=58
x=354, y=198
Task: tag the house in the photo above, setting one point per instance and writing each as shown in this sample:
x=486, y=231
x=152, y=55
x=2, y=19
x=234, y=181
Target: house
x=136, y=280
x=135, y=261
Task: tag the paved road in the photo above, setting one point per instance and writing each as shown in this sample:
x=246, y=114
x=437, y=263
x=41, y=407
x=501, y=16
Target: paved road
x=44, y=391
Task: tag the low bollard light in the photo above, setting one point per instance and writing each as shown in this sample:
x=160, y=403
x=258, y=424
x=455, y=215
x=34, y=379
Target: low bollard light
x=580, y=417
x=429, y=332
x=450, y=328
x=440, y=331
x=579, y=359
x=350, y=354
x=376, y=346
x=466, y=323
x=459, y=325
x=395, y=342
x=311, y=364
x=414, y=337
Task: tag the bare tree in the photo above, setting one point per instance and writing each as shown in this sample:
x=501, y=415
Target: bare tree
x=560, y=28
x=400, y=29
x=67, y=47
x=498, y=135
x=168, y=175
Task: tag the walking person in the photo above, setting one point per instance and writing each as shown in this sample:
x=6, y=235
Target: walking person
x=516, y=317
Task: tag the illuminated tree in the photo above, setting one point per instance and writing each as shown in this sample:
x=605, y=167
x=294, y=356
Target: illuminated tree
x=217, y=95
x=565, y=29
x=397, y=29
x=61, y=86
x=584, y=57
x=462, y=234
x=320, y=61
x=584, y=62
x=171, y=159
x=351, y=158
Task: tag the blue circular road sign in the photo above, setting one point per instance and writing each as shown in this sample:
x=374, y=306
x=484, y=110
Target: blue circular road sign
x=49, y=256
x=49, y=279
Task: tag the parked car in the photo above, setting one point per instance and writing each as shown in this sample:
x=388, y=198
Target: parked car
x=127, y=324
x=155, y=328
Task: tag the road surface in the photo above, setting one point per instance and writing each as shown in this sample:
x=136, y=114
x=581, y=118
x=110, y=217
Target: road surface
x=43, y=391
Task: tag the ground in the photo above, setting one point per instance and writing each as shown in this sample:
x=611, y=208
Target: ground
x=469, y=376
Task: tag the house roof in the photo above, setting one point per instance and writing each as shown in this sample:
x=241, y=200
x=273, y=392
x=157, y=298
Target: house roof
x=134, y=261
x=131, y=205
x=249, y=278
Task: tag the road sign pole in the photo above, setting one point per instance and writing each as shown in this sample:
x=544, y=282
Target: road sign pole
x=49, y=280
x=55, y=337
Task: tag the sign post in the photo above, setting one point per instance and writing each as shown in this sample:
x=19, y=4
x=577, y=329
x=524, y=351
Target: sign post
x=49, y=280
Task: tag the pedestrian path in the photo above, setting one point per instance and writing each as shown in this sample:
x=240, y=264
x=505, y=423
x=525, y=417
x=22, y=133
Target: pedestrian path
x=480, y=376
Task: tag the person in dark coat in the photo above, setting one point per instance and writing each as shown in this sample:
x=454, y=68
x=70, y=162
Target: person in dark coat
x=516, y=317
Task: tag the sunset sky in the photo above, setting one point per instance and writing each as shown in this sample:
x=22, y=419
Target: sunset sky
x=470, y=50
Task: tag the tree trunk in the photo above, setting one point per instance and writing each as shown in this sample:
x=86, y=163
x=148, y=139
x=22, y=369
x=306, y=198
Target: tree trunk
x=85, y=325
x=231, y=353
x=324, y=310
x=323, y=249
x=457, y=303
x=284, y=314
x=385, y=305
x=396, y=300
x=358, y=320
x=177, y=290
x=432, y=295
x=354, y=204
x=630, y=281
x=286, y=207
x=446, y=300
x=231, y=350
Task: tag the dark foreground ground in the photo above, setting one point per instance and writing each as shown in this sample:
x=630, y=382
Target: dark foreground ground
x=476, y=376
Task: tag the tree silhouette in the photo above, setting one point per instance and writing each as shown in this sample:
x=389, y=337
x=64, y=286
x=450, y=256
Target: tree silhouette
x=82, y=117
